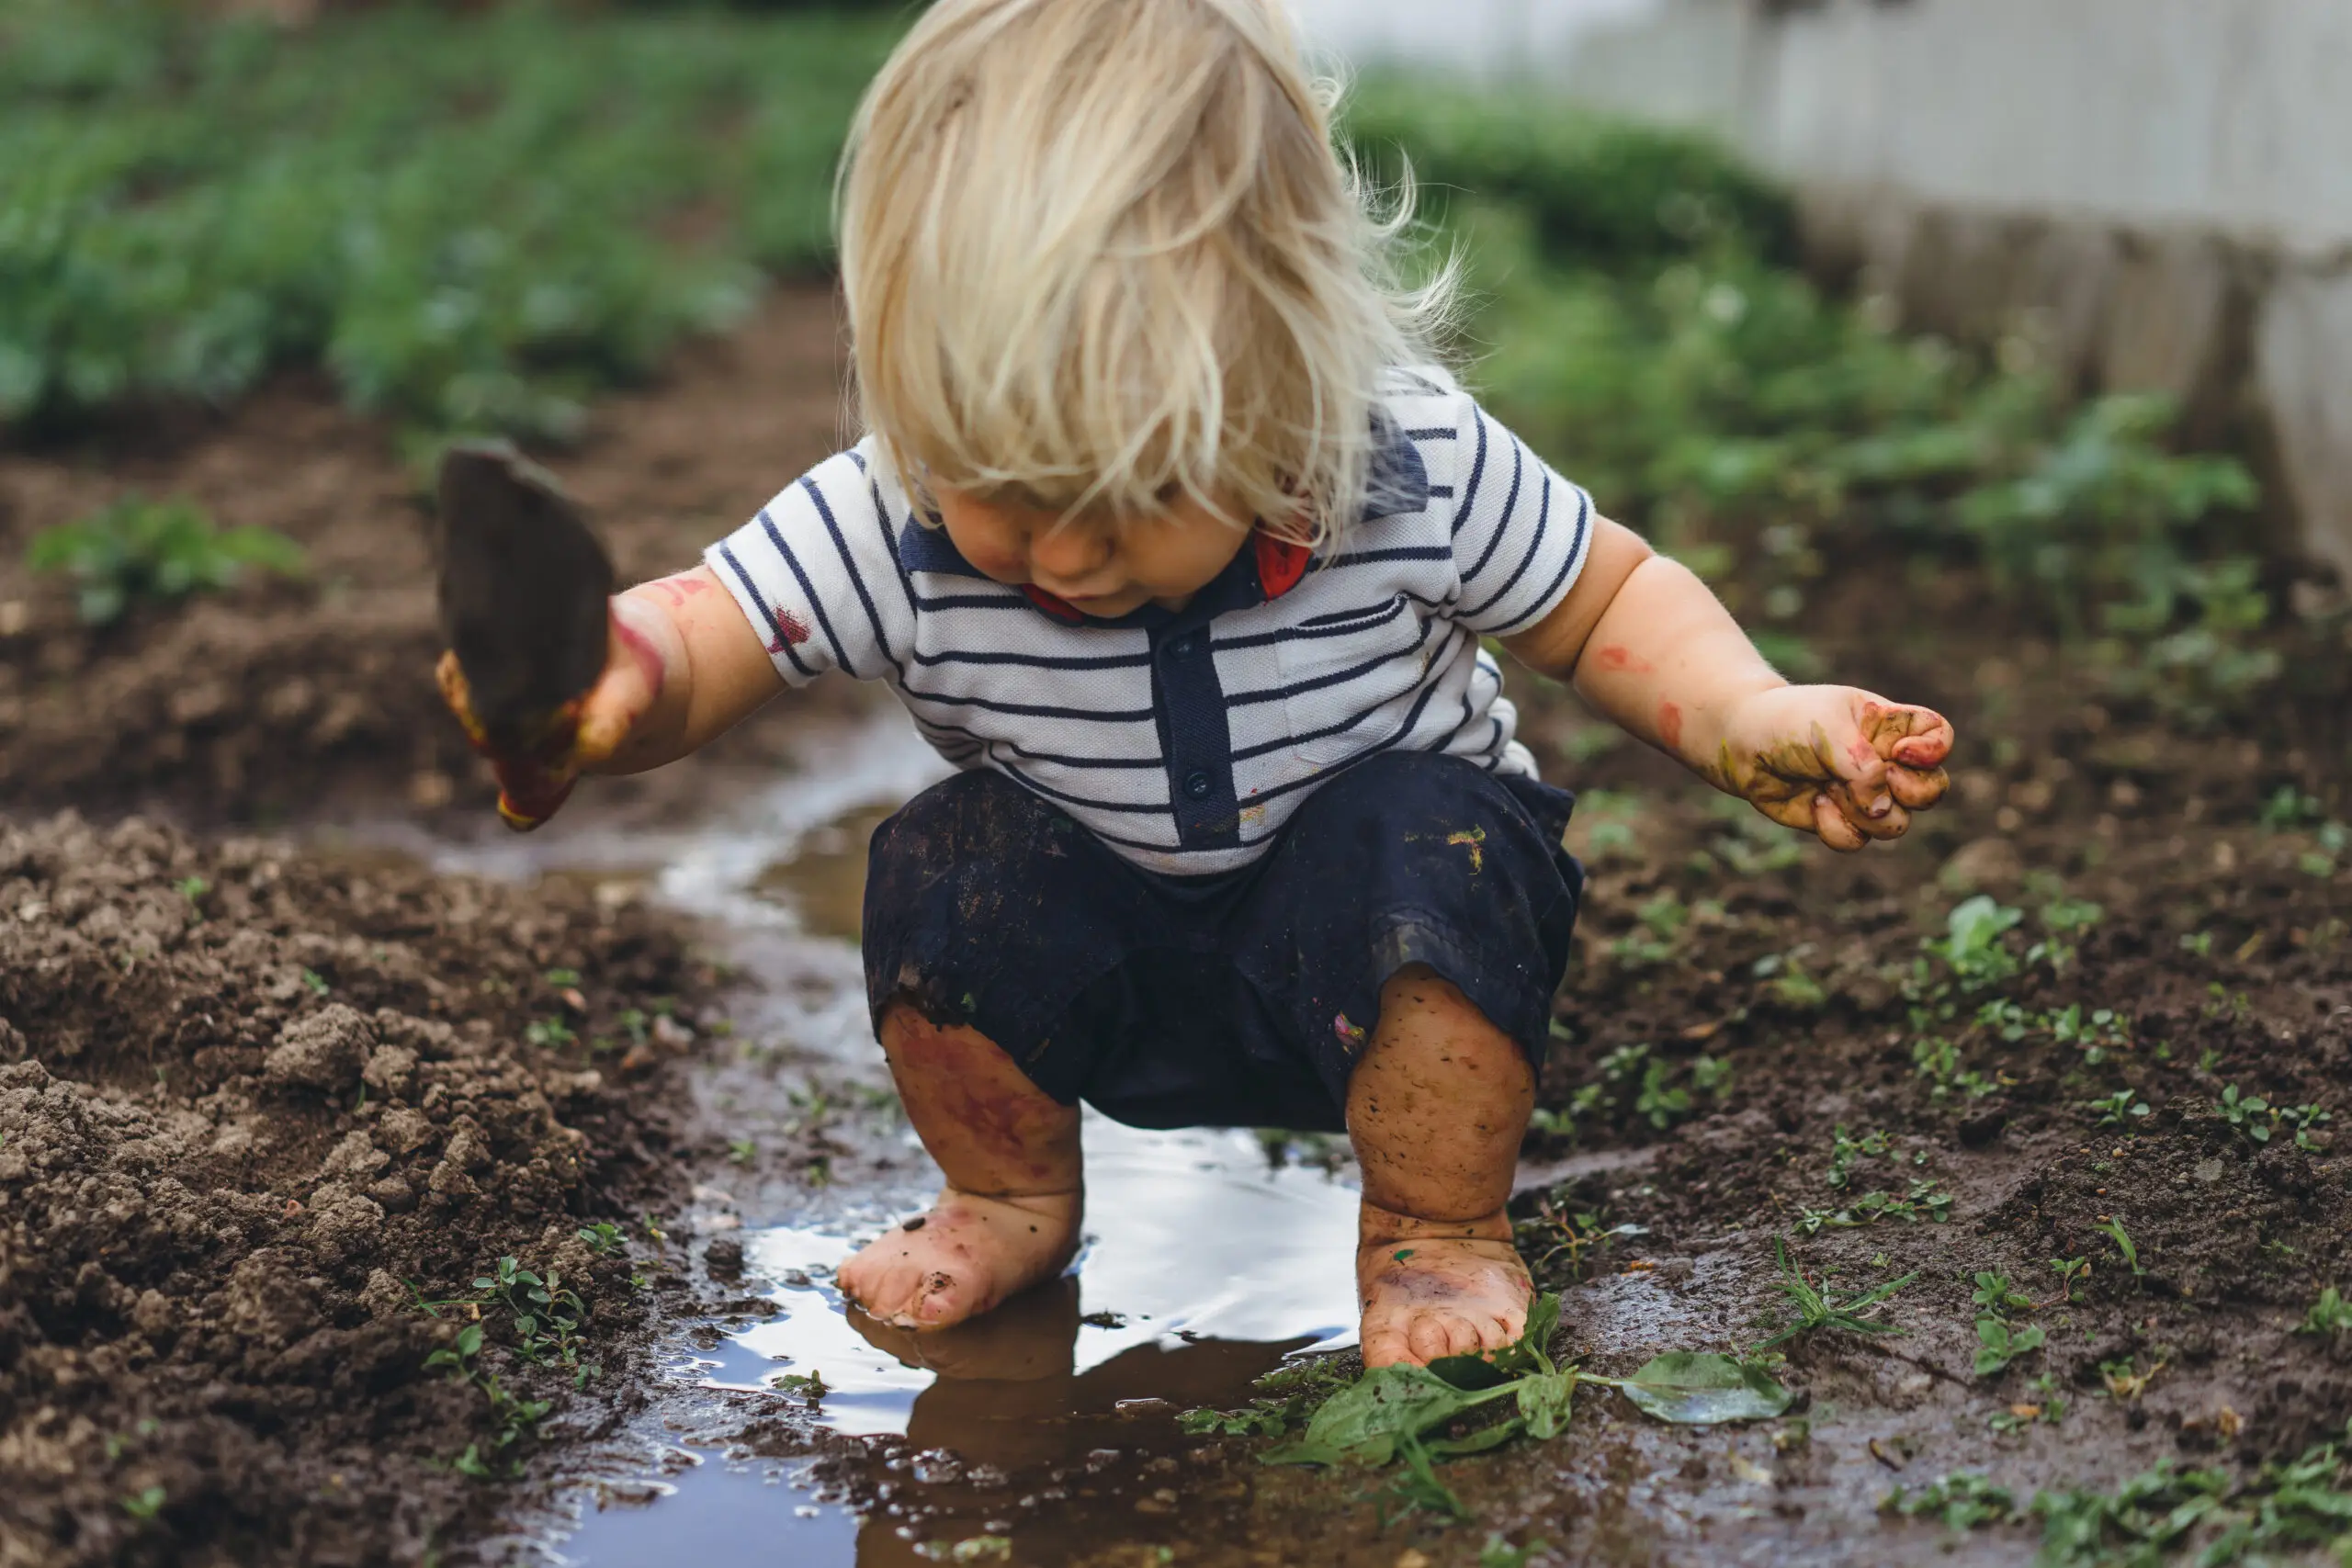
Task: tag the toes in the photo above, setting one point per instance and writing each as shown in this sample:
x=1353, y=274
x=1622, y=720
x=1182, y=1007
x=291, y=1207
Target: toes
x=1430, y=1337
x=1386, y=1347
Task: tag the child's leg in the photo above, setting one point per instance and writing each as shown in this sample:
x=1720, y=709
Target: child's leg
x=1436, y=1110
x=1008, y=1215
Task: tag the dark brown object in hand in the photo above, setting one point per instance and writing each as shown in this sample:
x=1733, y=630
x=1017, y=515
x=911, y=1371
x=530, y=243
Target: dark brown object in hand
x=524, y=592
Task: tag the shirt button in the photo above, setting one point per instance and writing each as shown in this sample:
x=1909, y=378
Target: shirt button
x=1182, y=647
x=1197, y=783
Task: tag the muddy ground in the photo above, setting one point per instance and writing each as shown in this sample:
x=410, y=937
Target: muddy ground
x=255, y=1107
x=201, y=1249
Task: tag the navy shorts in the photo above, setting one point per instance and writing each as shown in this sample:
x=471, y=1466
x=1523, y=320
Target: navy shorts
x=1241, y=999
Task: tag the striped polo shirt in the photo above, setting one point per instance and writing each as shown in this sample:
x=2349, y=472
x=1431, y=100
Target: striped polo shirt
x=1185, y=739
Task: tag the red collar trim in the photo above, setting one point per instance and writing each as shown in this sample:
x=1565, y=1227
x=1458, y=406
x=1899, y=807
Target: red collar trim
x=1053, y=605
x=1280, y=563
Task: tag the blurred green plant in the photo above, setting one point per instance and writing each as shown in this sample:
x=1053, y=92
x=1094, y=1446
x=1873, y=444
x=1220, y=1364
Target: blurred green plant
x=474, y=221
x=154, y=550
x=1640, y=323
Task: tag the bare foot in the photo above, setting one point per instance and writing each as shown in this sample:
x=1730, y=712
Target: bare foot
x=965, y=1256
x=1430, y=1290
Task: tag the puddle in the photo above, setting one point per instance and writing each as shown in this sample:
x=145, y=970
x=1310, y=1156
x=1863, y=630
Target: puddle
x=1053, y=1419
x=1219, y=1267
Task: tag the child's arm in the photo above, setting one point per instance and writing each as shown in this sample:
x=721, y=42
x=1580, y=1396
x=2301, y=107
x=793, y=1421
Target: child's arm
x=682, y=665
x=1646, y=644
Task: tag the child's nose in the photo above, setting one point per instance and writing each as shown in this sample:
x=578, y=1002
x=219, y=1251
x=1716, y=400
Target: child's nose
x=1069, y=553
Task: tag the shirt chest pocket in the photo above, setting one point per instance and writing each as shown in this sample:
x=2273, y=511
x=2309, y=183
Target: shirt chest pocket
x=1340, y=670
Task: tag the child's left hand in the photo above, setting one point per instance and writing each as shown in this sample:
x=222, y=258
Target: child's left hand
x=1834, y=761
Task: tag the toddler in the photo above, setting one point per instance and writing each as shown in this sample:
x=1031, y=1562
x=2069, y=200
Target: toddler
x=1171, y=536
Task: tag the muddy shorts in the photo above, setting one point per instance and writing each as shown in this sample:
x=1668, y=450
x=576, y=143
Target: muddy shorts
x=1241, y=999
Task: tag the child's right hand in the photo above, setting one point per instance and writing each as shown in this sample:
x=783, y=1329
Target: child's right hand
x=535, y=779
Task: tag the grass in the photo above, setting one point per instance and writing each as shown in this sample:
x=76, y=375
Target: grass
x=1818, y=1312
x=140, y=552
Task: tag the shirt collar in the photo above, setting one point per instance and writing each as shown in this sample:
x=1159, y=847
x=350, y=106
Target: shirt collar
x=1399, y=483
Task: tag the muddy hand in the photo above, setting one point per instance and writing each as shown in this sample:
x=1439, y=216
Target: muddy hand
x=539, y=765
x=1845, y=764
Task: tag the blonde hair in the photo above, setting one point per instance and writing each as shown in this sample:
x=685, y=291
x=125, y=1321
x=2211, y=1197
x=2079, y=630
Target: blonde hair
x=1104, y=254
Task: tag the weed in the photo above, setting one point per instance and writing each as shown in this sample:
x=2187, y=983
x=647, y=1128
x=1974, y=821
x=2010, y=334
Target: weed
x=144, y=1504
x=2069, y=1269
x=138, y=551
x=2302, y=1119
x=2113, y=1230
x=1926, y=1201
x=603, y=1238
x=2124, y=1380
x=1845, y=1150
x=2047, y=1407
x=1998, y=1343
x=1498, y=1552
x=810, y=1386
x=1997, y=1295
x=2117, y=1109
x=2330, y=1315
x=1292, y=1391
x=1653, y=942
x=316, y=981
x=548, y=1032
x=1962, y=1501
x=1971, y=947
x=1788, y=984
x=1574, y=1235
x=742, y=1151
x=2286, y=1509
x=1816, y=1311
x=2250, y=1115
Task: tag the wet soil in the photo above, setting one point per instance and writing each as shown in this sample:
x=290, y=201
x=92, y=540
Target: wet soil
x=279, y=701
x=256, y=1105
x=1737, y=998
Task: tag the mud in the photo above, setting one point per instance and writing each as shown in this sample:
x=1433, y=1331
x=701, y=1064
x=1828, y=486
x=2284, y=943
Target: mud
x=276, y=701
x=1775, y=993
x=254, y=1105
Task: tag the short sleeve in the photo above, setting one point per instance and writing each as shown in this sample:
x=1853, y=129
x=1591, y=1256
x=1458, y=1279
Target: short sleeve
x=1521, y=532
x=818, y=573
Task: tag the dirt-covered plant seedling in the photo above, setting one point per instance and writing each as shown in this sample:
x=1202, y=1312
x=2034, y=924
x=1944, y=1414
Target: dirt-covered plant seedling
x=1292, y=1390
x=2248, y=1113
x=2047, y=1405
x=1962, y=1501
x=2282, y=1514
x=2117, y=1109
x=1817, y=1311
x=140, y=551
x=1844, y=1150
x=1997, y=1296
x=2330, y=1317
x=603, y=1238
x=1998, y=1343
x=2112, y=1228
x=1411, y=1413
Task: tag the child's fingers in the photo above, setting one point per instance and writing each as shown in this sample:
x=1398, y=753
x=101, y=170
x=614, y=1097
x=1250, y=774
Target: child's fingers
x=1906, y=733
x=1830, y=822
x=1915, y=789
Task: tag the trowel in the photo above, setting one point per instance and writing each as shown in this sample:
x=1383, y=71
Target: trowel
x=524, y=592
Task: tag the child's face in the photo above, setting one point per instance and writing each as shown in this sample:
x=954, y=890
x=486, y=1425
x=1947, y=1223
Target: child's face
x=1101, y=566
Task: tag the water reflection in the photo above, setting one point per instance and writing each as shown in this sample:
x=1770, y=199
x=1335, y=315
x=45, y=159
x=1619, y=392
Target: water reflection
x=1050, y=1421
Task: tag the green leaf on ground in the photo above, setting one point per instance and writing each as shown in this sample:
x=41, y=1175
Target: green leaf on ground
x=1699, y=1388
x=1363, y=1423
